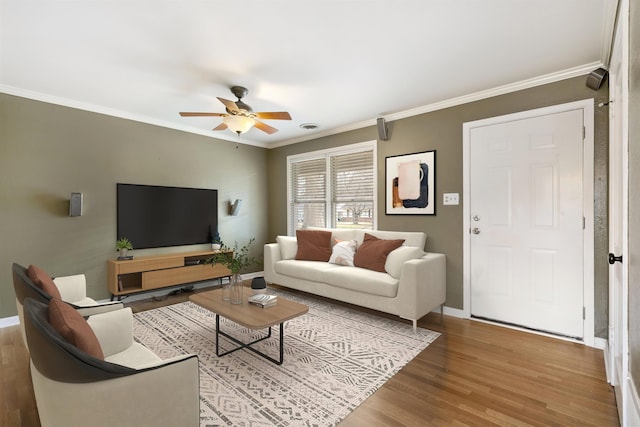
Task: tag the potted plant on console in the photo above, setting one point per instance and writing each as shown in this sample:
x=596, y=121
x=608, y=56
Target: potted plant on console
x=216, y=242
x=123, y=245
x=235, y=260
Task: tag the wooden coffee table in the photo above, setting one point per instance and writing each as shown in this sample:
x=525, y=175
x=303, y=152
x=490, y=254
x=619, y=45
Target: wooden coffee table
x=250, y=316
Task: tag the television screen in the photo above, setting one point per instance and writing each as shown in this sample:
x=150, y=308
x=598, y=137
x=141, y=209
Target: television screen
x=154, y=216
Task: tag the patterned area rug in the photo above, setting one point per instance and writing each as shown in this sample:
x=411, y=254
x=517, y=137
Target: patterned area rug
x=334, y=359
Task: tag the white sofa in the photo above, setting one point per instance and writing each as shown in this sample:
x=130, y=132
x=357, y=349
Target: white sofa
x=413, y=284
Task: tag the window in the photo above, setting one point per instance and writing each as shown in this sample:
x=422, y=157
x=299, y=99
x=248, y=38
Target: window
x=333, y=188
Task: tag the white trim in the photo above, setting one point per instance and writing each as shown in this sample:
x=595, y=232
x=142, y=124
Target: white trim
x=5, y=322
x=14, y=320
x=228, y=136
x=632, y=410
x=588, y=174
x=477, y=96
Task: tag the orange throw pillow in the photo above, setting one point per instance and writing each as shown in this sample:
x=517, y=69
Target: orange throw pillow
x=42, y=280
x=74, y=328
x=313, y=245
x=372, y=254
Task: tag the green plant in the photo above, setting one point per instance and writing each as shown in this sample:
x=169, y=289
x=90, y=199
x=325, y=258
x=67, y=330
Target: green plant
x=123, y=243
x=236, y=260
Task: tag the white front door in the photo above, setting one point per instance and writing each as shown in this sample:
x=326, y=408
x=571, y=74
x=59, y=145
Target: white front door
x=617, y=346
x=527, y=222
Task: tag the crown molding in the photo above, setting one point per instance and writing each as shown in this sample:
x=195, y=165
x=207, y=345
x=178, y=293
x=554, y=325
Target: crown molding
x=465, y=99
x=65, y=102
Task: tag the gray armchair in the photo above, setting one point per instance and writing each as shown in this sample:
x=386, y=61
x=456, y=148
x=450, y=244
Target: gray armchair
x=130, y=387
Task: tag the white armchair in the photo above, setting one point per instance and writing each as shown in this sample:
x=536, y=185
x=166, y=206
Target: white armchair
x=130, y=387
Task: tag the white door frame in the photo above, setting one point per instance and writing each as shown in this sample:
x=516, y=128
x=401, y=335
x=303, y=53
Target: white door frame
x=588, y=194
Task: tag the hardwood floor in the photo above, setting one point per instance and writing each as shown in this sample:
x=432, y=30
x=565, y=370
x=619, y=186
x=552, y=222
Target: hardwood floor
x=474, y=374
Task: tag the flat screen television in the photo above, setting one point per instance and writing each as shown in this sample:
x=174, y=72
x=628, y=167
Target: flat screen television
x=155, y=216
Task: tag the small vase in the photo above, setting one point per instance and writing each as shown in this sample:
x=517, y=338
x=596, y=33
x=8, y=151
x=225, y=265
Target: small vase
x=123, y=252
x=236, y=289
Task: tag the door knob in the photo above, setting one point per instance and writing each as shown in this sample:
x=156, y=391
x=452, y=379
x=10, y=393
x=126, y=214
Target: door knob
x=613, y=259
x=476, y=231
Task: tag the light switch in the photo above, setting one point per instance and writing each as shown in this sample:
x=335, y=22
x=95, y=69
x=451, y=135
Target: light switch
x=451, y=199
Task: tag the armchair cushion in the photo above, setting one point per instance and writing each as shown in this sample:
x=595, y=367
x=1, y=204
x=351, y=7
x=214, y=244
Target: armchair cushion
x=74, y=328
x=42, y=280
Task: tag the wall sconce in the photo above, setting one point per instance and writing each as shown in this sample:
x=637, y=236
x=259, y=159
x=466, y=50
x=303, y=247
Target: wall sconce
x=234, y=207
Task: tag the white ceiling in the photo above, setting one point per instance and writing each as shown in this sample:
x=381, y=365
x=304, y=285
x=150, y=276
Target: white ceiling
x=338, y=63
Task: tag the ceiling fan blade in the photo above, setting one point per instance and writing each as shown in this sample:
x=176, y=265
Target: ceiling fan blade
x=272, y=115
x=187, y=114
x=221, y=126
x=231, y=106
x=265, y=127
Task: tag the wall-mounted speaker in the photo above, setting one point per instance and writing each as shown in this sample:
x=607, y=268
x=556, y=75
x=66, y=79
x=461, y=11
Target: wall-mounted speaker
x=383, y=133
x=596, y=78
x=75, y=204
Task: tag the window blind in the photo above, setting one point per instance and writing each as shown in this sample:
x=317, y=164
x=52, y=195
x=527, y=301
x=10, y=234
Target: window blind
x=309, y=193
x=352, y=177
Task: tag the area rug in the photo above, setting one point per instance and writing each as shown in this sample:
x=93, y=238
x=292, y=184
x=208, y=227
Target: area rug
x=334, y=358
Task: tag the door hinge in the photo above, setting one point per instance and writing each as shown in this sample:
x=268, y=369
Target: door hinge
x=584, y=132
x=584, y=223
x=584, y=313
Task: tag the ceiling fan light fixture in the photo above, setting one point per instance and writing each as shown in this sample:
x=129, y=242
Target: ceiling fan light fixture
x=239, y=124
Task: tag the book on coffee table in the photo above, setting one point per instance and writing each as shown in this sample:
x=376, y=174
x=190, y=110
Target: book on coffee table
x=263, y=300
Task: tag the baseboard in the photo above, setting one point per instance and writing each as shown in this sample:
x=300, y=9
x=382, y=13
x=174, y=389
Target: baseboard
x=5, y=322
x=600, y=343
x=632, y=411
x=452, y=312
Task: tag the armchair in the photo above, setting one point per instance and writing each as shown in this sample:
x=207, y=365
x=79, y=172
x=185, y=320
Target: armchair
x=72, y=289
x=130, y=387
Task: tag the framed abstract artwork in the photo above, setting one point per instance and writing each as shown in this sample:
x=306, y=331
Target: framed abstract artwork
x=410, y=184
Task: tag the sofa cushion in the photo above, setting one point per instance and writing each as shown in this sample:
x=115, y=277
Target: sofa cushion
x=313, y=245
x=343, y=253
x=397, y=257
x=309, y=270
x=288, y=246
x=372, y=254
x=74, y=328
x=362, y=280
x=42, y=280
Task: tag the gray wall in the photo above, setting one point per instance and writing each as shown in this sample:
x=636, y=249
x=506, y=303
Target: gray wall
x=634, y=201
x=49, y=151
x=442, y=131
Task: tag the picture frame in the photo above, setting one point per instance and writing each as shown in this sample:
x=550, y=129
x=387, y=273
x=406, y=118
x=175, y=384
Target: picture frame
x=410, y=184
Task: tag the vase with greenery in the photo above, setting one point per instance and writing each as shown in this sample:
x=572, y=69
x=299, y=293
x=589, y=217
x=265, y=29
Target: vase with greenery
x=123, y=245
x=235, y=260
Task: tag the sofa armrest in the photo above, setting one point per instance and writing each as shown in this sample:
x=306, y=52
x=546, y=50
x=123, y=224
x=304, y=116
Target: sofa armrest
x=72, y=288
x=114, y=330
x=424, y=280
x=271, y=256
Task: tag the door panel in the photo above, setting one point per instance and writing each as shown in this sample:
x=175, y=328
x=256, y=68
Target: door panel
x=526, y=246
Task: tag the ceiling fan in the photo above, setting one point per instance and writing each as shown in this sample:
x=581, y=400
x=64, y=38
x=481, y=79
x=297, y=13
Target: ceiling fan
x=240, y=117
